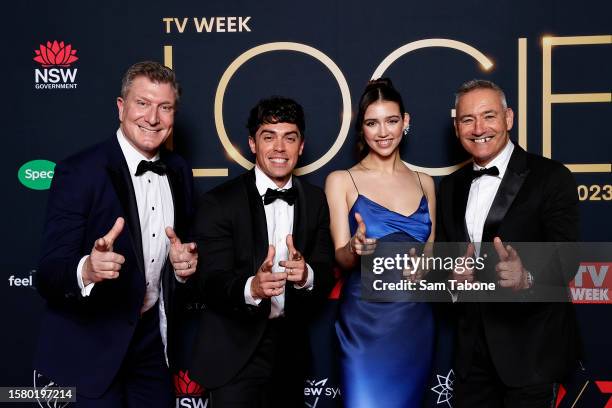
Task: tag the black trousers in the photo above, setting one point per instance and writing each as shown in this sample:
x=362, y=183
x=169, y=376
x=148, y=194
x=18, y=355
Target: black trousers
x=144, y=378
x=273, y=377
x=482, y=387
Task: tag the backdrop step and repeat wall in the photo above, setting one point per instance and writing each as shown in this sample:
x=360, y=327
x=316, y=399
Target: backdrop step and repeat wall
x=553, y=58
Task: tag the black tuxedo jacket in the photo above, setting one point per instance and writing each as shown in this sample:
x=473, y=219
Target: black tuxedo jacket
x=537, y=201
x=231, y=232
x=83, y=340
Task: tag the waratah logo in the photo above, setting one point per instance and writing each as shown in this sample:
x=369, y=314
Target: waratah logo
x=183, y=385
x=55, y=54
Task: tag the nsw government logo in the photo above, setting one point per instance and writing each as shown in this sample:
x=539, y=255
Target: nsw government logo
x=188, y=392
x=55, y=72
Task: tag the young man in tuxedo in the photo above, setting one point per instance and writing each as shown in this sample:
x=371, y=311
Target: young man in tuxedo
x=266, y=258
x=111, y=256
x=508, y=354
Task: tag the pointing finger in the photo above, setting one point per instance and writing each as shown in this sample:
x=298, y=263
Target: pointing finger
x=100, y=245
x=361, y=227
x=499, y=248
x=469, y=252
x=114, y=232
x=174, y=239
x=294, y=254
x=512, y=254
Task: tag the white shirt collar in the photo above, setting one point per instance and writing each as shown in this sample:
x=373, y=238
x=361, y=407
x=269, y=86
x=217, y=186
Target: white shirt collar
x=263, y=182
x=132, y=156
x=500, y=161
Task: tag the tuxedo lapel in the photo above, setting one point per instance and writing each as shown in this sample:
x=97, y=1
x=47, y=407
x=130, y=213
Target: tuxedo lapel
x=175, y=180
x=508, y=189
x=121, y=179
x=461, y=193
x=299, y=217
x=258, y=220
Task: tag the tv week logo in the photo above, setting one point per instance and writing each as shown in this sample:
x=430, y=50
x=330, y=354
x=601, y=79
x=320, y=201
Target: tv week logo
x=591, y=283
x=55, y=72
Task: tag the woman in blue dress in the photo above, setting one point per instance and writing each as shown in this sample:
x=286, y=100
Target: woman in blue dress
x=385, y=348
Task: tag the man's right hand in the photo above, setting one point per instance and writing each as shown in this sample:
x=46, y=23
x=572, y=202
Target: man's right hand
x=465, y=274
x=102, y=262
x=266, y=283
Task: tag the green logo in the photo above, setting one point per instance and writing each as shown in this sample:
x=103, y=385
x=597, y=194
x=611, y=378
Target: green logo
x=36, y=174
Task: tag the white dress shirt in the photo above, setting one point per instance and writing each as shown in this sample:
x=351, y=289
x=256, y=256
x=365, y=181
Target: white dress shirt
x=279, y=220
x=482, y=193
x=155, y=212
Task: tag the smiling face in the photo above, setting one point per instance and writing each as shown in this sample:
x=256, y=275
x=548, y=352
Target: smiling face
x=277, y=147
x=482, y=124
x=147, y=114
x=383, y=126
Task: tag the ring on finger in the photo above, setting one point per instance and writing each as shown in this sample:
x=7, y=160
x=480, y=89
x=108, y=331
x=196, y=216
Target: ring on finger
x=188, y=265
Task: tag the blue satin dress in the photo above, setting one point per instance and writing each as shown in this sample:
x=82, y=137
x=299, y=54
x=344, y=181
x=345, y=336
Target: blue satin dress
x=385, y=348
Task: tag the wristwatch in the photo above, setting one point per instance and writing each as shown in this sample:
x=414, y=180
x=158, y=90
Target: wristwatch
x=529, y=280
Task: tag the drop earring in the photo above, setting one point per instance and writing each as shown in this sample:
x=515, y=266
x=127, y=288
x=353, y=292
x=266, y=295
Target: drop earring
x=406, y=130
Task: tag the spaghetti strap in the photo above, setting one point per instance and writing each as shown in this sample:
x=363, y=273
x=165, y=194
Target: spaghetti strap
x=421, y=184
x=353, y=180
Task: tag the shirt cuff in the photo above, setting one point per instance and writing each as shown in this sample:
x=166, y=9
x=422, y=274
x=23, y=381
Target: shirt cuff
x=309, y=281
x=85, y=290
x=248, y=298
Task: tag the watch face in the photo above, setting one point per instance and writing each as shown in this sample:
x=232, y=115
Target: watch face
x=529, y=279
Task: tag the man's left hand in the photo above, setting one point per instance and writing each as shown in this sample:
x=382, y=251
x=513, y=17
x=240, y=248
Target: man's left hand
x=295, y=266
x=184, y=257
x=510, y=269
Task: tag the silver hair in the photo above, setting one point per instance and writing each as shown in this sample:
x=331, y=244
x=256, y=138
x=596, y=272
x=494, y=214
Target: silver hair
x=480, y=84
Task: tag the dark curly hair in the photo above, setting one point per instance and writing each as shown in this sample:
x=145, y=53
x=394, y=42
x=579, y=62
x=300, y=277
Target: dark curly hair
x=376, y=90
x=276, y=109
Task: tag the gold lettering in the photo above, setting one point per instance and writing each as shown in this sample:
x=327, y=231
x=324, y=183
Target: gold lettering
x=243, y=24
x=203, y=23
x=548, y=98
x=170, y=142
x=220, y=24
x=283, y=46
x=433, y=42
x=167, y=20
x=231, y=24
x=180, y=27
x=522, y=93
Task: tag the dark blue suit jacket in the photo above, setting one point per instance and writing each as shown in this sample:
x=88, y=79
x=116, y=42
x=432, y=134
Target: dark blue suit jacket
x=83, y=340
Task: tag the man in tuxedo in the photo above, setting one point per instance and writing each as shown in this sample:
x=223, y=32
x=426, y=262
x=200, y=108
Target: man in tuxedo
x=111, y=256
x=508, y=354
x=266, y=257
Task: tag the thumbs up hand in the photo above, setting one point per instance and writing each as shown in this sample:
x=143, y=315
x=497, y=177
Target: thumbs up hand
x=102, y=262
x=184, y=257
x=295, y=266
x=510, y=268
x=359, y=244
x=266, y=283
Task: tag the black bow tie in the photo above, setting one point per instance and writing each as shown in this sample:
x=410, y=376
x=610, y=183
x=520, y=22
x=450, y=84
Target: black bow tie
x=289, y=195
x=157, y=167
x=491, y=171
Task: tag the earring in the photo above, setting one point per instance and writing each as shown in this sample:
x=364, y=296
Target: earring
x=406, y=130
